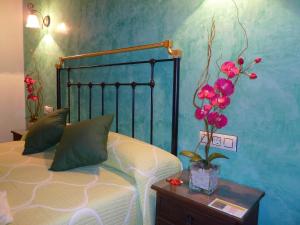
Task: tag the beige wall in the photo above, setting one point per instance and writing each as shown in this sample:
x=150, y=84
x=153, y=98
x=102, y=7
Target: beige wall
x=12, y=106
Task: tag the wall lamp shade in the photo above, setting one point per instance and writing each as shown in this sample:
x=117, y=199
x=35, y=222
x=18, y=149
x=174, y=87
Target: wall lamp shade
x=33, y=20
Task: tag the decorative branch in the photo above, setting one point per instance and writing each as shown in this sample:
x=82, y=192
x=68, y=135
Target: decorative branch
x=205, y=73
x=243, y=29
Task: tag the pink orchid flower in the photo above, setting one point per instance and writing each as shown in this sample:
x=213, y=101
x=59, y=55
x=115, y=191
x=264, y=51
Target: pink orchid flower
x=223, y=101
x=217, y=120
x=214, y=101
x=32, y=97
x=221, y=121
x=201, y=113
x=30, y=89
x=28, y=80
x=224, y=86
x=32, y=81
x=207, y=107
x=207, y=91
x=211, y=117
x=230, y=69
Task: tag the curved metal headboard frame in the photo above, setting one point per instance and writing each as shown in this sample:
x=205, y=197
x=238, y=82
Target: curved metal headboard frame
x=168, y=44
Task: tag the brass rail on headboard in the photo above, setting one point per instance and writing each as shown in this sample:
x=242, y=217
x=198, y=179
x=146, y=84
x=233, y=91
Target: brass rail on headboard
x=168, y=44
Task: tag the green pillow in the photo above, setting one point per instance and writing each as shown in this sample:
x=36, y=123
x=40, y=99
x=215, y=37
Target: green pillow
x=45, y=132
x=83, y=144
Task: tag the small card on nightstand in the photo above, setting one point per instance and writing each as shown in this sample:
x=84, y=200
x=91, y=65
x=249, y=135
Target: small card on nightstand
x=227, y=207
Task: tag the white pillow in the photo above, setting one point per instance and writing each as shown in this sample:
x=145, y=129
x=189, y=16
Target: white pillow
x=135, y=157
x=5, y=215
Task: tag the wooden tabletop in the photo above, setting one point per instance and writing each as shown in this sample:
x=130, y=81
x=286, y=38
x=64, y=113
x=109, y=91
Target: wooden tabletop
x=229, y=191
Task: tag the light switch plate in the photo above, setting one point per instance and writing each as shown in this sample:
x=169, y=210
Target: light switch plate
x=222, y=141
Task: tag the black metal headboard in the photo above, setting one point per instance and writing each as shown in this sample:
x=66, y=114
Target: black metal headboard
x=117, y=85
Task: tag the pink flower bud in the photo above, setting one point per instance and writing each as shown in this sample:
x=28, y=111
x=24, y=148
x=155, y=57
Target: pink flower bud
x=252, y=76
x=258, y=60
x=241, y=61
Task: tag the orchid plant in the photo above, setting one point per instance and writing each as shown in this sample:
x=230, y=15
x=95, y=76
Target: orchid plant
x=216, y=98
x=34, y=100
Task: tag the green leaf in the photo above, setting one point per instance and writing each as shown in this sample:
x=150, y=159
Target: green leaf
x=187, y=153
x=216, y=156
x=194, y=156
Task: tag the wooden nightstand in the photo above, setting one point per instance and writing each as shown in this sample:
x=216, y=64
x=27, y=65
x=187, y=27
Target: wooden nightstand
x=17, y=134
x=176, y=205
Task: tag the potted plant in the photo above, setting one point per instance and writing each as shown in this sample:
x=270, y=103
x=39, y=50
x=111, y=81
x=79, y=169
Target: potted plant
x=34, y=99
x=210, y=101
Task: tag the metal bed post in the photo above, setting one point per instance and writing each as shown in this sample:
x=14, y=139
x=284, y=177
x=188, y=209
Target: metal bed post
x=152, y=84
x=58, y=90
x=175, y=107
x=69, y=95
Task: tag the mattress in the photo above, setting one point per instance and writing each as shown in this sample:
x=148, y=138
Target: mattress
x=115, y=192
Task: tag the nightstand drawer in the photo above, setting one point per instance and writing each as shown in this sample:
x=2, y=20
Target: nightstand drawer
x=196, y=217
x=169, y=209
x=161, y=221
x=174, y=212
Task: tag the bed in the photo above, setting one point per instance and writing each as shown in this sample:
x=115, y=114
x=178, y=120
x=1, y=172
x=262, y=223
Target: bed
x=114, y=192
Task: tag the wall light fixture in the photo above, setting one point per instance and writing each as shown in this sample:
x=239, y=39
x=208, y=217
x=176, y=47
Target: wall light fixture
x=32, y=19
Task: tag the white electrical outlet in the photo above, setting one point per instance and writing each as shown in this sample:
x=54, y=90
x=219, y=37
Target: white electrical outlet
x=222, y=141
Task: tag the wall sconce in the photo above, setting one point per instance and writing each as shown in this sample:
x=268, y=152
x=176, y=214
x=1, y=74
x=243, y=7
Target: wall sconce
x=32, y=19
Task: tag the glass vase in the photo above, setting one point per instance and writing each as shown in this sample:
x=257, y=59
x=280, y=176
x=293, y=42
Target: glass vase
x=203, y=180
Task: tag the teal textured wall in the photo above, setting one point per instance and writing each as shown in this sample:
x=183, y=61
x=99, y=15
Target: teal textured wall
x=264, y=113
